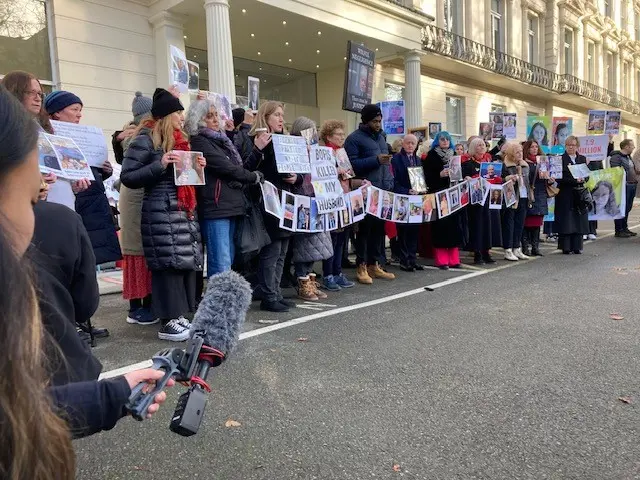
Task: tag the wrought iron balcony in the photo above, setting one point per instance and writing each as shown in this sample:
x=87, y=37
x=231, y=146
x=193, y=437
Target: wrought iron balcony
x=449, y=44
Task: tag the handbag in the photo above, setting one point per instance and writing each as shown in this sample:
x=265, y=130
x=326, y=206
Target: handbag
x=552, y=190
x=251, y=234
x=583, y=199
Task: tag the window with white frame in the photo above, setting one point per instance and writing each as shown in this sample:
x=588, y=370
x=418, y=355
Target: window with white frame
x=626, y=79
x=393, y=91
x=532, y=39
x=608, y=8
x=610, y=70
x=454, y=16
x=568, y=51
x=496, y=108
x=455, y=107
x=497, y=25
x=591, y=62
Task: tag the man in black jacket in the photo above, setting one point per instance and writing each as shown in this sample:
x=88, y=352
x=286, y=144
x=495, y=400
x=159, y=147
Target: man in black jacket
x=242, y=120
x=622, y=158
x=65, y=275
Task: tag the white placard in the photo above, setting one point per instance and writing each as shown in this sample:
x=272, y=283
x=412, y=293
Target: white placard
x=291, y=152
x=89, y=139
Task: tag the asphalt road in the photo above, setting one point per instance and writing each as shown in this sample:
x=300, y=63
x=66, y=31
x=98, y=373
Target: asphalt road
x=513, y=373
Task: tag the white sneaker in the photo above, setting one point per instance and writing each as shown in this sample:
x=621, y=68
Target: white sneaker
x=592, y=236
x=173, y=331
x=183, y=322
x=585, y=237
x=518, y=253
x=508, y=255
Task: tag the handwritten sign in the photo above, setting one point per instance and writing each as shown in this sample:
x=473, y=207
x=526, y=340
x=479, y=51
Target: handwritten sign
x=594, y=147
x=324, y=178
x=291, y=152
x=90, y=140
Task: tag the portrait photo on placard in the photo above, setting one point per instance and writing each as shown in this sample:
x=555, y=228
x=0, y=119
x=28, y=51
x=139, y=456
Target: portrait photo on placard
x=401, y=209
x=386, y=212
x=429, y=207
x=188, y=171
x=443, y=203
x=373, y=201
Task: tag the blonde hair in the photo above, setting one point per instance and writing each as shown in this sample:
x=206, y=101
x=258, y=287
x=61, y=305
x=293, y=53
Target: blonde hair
x=264, y=112
x=161, y=132
x=330, y=126
x=473, y=146
x=510, y=150
x=573, y=138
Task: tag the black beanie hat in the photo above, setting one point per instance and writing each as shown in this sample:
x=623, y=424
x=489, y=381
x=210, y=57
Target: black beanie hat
x=164, y=103
x=369, y=112
x=238, y=116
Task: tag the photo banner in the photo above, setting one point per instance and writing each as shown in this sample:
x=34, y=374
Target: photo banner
x=498, y=124
x=607, y=188
x=194, y=76
x=291, y=152
x=538, y=129
x=358, y=81
x=393, y=117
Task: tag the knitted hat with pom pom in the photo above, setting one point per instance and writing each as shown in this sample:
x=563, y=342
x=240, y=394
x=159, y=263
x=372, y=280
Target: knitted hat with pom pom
x=140, y=106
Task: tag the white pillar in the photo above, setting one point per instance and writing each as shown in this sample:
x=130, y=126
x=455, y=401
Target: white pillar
x=219, y=51
x=167, y=31
x=413, y=89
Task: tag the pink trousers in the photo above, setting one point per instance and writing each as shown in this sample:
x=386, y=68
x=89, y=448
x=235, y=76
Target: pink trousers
x=446, y=256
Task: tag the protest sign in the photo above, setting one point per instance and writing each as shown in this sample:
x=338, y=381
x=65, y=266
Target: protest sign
x=429, y=208
x=401, y=209
x=498, y=124
x=271, y=199
x=178, y=69
x=356, y=201
x=594, y=147
x=287, y=220
x=344, y=164
x=291, y=153
x=89, y=139
x=455, y=168
x=612, y=122
x=358, y=81
x=73, y=162
x=509, y=126
x=434, y=129
x=596, y=122
x=194, y=76
x=302, y=209
x=324, y=178
x=416, y=211
x=495, y=195
x=48, y=159
x=538, y=130
x=555, y=167
x=317, y=218
x=607, y=188
x=580, y=170
x=253, y=95
x=393, y=117
x=222, y=105
x=417, y=180
x=188, y=171
x=443, y=203
x=562, y=127
x=485, y=131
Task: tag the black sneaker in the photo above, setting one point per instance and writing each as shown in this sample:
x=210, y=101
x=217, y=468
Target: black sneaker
x=477, y=259
x=287, y=303
x=407, y=268
x=173, y=331
x=488, y=259
x=630, y=233
x=418, y=267
x=622, y=234
x=274, y=306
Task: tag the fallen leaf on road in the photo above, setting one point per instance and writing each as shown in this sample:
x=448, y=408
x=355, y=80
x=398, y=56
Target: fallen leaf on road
x=616, y=316
x=396, y=467
x=269, y=322
x=232, y=423
x=303, y=339
x=625, y=399
x=622, y=272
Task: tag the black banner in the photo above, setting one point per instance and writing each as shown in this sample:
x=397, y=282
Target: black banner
x=358, y=79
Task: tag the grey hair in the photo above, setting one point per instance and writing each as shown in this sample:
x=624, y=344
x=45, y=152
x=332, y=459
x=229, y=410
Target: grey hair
x=473, y=145
x=300, y=124
x=195, y=118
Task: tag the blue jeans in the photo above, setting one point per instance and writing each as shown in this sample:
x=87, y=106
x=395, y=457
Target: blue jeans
x=333, y=265
x=218, y=237
x=622, y=223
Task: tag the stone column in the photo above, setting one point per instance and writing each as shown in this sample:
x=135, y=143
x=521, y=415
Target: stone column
x=413, y=89
x=219, y=51
x=167, y=31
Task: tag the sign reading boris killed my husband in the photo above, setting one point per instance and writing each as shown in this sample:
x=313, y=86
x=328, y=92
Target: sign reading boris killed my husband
x=324, y=178
x=291, y=152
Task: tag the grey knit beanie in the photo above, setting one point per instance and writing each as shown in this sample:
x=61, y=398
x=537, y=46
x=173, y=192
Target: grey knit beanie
x=140, y=106
x=301, y=123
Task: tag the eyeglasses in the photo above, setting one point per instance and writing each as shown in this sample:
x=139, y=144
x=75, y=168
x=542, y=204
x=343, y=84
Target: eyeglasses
x=35, y=93
x=570, y=144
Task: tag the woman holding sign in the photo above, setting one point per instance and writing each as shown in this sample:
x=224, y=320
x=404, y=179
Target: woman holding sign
x=270, y=120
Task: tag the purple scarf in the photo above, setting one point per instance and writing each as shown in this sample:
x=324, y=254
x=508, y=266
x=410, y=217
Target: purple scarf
x=226, y=143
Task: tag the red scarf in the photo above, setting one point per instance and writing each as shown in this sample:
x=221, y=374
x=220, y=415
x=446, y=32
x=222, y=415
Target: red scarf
x=186, y=193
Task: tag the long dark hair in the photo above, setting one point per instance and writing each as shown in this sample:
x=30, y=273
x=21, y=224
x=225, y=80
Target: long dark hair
x=18, y=83
x=34, y=442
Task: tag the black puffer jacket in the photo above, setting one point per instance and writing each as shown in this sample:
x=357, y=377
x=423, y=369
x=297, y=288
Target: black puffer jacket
x=170, y=239
x=222, y=195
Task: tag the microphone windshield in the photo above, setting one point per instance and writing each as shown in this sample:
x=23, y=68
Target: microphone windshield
x=222, y=311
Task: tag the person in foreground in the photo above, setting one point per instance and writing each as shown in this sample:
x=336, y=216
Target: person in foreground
x=37, y=423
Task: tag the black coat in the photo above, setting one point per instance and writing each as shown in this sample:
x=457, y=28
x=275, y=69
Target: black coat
x=265, y=161
x=243, y=142
x=65, y=276
x=222, y=196
x=538, y=206
x=170, y=239
x=445, y=232
x=93, y=206
x=568, y=220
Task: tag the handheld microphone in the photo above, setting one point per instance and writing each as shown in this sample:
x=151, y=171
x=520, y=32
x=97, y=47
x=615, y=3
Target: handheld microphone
x=214, y=335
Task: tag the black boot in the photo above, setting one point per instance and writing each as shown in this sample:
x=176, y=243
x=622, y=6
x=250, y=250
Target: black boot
x=477, y=258
x=535, y=242
x=526, y=241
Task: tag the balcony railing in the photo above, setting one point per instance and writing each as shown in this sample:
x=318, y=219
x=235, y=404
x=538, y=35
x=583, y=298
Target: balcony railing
x=449, y=44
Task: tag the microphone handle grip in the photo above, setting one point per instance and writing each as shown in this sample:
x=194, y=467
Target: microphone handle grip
x=140, y=401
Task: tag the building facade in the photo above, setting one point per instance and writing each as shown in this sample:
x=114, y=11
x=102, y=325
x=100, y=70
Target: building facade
x=452, y=61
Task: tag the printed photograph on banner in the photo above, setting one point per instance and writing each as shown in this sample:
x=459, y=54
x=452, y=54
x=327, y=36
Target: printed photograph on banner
x=555, y=167
x=331, y=221
x=345, y=170
x=373, y=201
x=187, y=171
x=429, y=207
x=434, y=129
x=253, y=93
x=463, y=188
x=292, y=155
x=73, y=162
x=317, y=219
x=358, y=82
x=596, y=122
x=562, y=128
x=491, y=170
x=302, y=208
x=607, y=188
x=310, y=135
x=538, y=129
x=551, y=209
x=89, y=139
x=194, y=76
x=287, y=221
x=178, y=69
x=495, y=196
x=401, y=209
x=344, y=217
x=594, y=147
x=421, y=133
x=498, y=124
x=443, y=203
x=542, y=162
x=509, y=193
x=580, y=170
x=386, y=212
x=417, y=180
x=416, y=213
x=392, y=117
x=242, y=102
x=509, y=126
x=486, y=189
x=356, y=200
x=271, y=199
x=475, y=185
x=223, y=106
x=455, y=168
x=454, y=199
x=612, y=122
x=47, y=157
x=486, y=131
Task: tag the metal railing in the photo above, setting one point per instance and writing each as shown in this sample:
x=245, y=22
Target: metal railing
x=440, y=41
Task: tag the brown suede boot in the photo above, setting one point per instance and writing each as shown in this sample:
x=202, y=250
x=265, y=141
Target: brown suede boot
x=305, y=289
x=363, y=276
x=316, y=287
x=375, y=271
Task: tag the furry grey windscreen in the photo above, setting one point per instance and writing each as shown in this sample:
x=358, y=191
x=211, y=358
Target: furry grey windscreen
x=222, y=310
